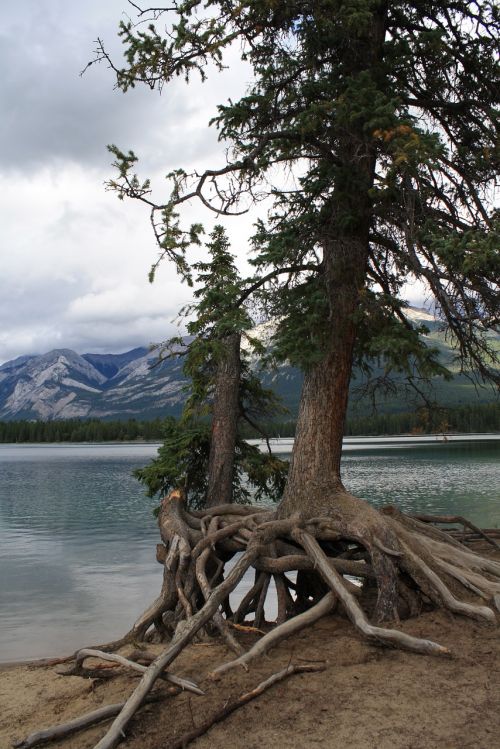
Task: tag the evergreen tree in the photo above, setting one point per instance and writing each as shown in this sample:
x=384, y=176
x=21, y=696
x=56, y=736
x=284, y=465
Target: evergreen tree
x=385, y=113
x=384, y=118
x=204, y=452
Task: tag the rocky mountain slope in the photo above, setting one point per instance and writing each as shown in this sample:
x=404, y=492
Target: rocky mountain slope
x=63, y=384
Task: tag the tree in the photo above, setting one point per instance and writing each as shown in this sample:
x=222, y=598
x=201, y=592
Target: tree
x=387, y=115
x=204, y=453
x=373, y=129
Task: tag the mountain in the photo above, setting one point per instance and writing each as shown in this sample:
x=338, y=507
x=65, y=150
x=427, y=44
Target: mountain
x=63, y=384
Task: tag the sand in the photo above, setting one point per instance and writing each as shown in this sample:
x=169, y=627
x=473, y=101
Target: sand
x=366, y=698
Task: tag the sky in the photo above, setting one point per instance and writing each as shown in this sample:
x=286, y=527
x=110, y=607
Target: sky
x=73, y=258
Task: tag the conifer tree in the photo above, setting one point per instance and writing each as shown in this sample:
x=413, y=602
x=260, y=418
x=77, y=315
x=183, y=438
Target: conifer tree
x=385, y=114
x=373, y=128
x=204, y=453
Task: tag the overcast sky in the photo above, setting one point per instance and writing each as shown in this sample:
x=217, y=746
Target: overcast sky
x=73, y=258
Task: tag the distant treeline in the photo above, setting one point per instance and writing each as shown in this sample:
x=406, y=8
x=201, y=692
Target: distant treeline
x=471, y=418
x=80, y=430
x=484, y=417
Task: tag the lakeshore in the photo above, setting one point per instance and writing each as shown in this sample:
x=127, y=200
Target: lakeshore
x=77, y=530
x=366, y=697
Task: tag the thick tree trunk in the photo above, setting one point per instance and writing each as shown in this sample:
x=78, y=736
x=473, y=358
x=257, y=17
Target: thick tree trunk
x=314, y=477
x=315, y=468
x=314, y=486
x=224, y=424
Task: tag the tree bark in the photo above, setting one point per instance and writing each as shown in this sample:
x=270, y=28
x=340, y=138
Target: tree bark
x=224, y=423
x=315, y=467
x=314, y=477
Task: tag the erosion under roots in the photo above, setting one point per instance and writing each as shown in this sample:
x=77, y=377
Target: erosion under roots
x=377, y=566
x=372, y=566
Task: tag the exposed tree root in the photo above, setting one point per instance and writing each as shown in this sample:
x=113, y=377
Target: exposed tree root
x=281, y=632
x=458, y=519
x=375, y=567
x=54, y=733
x=184, y=684
x=244, y=699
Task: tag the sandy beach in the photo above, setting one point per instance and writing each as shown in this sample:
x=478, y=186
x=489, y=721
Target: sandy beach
x=366, y=697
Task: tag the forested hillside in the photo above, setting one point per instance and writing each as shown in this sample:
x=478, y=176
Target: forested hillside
x=470, y=418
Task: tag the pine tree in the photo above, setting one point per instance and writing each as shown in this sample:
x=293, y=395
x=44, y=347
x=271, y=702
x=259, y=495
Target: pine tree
x=385, y=113
x=373, y=128
x=204, y=452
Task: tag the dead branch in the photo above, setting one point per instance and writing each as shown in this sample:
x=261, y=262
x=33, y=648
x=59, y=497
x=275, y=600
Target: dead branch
x=55, y=733
x=225, y=711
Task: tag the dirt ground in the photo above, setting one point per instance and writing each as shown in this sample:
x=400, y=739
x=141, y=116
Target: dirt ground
x=366, y=698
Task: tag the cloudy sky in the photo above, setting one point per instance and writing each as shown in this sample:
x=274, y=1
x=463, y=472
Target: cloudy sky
x=73, y=258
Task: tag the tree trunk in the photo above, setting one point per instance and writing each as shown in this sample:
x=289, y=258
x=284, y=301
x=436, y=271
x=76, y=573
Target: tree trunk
x=314, y=486
x=314, y=477
x=224, y=423
x=314, y=474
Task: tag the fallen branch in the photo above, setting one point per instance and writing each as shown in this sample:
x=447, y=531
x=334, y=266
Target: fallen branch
x=185, y=684
x=78, y=724
x=229, y=708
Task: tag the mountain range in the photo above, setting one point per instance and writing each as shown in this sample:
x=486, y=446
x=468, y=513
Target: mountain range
x=63, y=384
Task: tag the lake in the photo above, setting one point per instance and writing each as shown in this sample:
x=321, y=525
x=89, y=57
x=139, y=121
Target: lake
x=77, y=534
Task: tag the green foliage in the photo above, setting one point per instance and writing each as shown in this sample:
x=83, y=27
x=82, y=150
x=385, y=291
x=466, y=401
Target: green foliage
x=384, y=114
x=182, y=461
x=213, y=318
x=80, y=430
x=472, y=417
x=463, y=419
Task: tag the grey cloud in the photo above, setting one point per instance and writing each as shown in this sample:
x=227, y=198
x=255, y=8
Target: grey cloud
x=52, y=114
x=39, y=315
x=64, y=242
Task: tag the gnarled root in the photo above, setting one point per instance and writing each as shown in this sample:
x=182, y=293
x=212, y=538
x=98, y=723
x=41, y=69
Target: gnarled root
x=373, y=566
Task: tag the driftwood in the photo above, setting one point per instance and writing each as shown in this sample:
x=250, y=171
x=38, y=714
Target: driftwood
x=244, y=699
x=375, y=566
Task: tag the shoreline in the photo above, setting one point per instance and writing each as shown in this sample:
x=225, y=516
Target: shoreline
x=365, y=697
x=376, y=439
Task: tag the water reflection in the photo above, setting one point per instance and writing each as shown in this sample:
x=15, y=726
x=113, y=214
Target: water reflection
x=457, y=479
x=77, y=552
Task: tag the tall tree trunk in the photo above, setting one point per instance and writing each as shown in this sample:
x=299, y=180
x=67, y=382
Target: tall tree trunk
x=224, y=423
x=314, y=474
x=314, y=477
x=314, y=487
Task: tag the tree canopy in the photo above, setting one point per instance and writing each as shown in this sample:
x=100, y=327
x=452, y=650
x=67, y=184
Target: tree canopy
x=388, y=104
x=372, y=128
x=204, y=452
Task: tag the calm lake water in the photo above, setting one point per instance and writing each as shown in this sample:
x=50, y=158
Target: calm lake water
x=77, y=534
